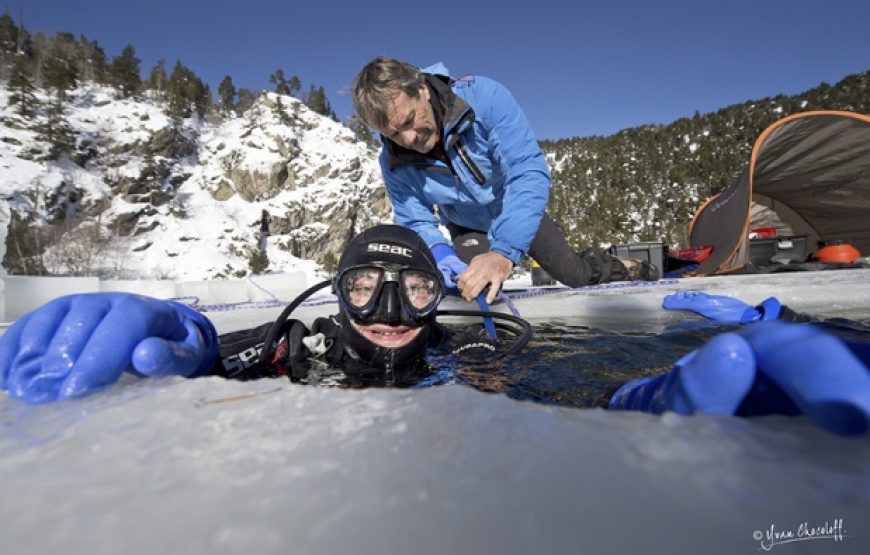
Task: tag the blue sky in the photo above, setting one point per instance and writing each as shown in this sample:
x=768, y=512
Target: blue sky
x=578, y=68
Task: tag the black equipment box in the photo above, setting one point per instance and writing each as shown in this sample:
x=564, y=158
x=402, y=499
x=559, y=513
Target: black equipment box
x=778, y=250
x=652, y=252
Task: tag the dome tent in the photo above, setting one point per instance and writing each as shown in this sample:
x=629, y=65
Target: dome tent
x=812, y=169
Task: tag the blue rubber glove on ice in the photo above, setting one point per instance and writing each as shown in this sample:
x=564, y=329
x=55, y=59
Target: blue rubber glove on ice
x=449, y=264
x=769, y=368
x=721, y=308
x=78, y=344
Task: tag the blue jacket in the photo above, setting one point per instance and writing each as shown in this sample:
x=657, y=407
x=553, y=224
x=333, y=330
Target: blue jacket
x=497, y=179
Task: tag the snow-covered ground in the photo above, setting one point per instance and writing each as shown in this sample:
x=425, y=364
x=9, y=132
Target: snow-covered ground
x=209, y=225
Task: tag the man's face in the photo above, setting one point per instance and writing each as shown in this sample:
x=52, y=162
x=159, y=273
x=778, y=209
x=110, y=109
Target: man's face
x=411, y=122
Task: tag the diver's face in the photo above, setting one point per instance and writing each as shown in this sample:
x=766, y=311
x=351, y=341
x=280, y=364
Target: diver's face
x=390, y=336
x=411, y=121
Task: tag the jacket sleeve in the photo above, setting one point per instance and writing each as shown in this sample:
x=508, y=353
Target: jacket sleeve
x=410, y=209
x=528, y=179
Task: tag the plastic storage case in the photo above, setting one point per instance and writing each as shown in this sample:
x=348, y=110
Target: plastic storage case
x=652, y=252
x=772, y=250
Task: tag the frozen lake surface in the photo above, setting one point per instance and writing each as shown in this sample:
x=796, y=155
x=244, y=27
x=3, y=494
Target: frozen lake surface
x=209, y=466
x=212, y=466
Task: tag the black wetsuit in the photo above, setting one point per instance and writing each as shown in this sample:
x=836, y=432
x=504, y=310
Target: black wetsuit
x=301, y=351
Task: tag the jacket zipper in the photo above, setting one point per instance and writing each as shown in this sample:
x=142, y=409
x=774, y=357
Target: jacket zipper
x=469, y=163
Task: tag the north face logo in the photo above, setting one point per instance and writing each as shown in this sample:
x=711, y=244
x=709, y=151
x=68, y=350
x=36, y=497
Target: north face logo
x=391, y=249
x=470, y=243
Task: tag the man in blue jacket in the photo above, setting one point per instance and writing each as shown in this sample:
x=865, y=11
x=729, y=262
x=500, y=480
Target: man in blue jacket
x=465, y=148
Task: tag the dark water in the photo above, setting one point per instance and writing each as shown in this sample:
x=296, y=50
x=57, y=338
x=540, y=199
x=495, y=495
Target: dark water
x=580, y=366
x=563, y=364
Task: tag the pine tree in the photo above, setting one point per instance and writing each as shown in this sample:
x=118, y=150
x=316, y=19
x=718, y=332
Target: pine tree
x=279, y=111
x=97, y=62
x=246, y=100
x=157, y=78
x=361, y=130
x=317, y=101
x=8, y=34
x=8, y=43
x=124, y=72
x=187, y=93
x=328, y=262
x=258, y=261
x=22, y=89
x=280, y=82
x=57, y=132
x=59, y=69
x=293, y=85
x=227, y=94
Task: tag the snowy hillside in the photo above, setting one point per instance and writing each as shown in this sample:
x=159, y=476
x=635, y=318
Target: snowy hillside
x=149, y=197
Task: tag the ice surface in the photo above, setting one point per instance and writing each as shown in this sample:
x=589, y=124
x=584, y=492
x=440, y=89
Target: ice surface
x=24, y=293
x=214, y=466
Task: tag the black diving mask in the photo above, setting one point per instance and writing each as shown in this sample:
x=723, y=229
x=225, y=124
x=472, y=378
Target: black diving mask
x=385, y=293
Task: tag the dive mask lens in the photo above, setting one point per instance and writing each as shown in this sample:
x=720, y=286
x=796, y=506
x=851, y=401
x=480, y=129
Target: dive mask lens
x=359, y=287
x=421, y=291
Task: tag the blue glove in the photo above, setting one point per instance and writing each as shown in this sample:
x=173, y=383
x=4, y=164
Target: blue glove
x=721, y=308
x=771, y=368
x=818, y=374
x=449, y=264
x=712, y=379
x=78, y=344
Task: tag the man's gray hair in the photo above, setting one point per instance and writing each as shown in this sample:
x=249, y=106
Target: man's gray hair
x=378, y=83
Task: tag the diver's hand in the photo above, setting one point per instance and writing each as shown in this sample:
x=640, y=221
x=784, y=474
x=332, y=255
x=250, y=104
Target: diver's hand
x=714, y=379
x=78, y=344
x=488, y=269
x=449, y=264
x=721, y=308
x=768, y=368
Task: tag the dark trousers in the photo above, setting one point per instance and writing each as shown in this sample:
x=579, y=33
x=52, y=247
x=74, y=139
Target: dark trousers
x=551, y=250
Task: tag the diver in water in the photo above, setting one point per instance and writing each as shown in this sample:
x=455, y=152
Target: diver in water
x=388, y=287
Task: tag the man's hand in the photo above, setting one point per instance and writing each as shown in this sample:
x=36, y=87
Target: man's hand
x=490, y=269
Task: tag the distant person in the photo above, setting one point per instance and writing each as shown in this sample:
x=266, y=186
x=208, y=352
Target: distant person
x=464, y=147
x=265, y=221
